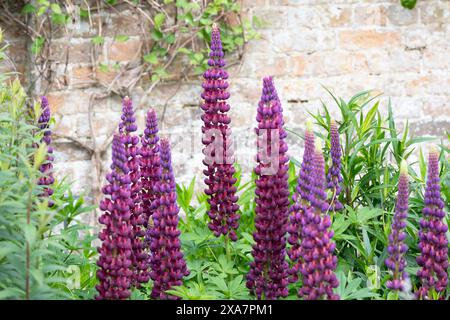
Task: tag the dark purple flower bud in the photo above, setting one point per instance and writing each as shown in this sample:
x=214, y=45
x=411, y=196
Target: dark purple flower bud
x=47, y=167
x=433, y=242
x=115, y=273
x=396, y=261
x=268, y=277
x=168, y=266
x=334, y=176
x=316, y=249
x=218, y=145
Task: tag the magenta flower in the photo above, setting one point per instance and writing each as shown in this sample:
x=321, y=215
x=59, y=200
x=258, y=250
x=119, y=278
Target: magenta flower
x=397, y=248
x=115, y=254
x=139, y=257
x=300, y=203
x=334, y=176
x=433, y=243
x=319, y=261
x=218, y=146
x=168, y=266
x=46, y=168
x=268, y=275
x=150, y=165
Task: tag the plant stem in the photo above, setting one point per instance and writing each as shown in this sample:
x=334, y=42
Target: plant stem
x=27, y=250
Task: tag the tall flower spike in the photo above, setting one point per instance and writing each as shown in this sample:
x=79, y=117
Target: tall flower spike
x=218, y=149
x=300, y=203
x=139, y=258
x=268, y=275
x=397, y=248
x=150, y=166
x=167, y=262
x=46, y=168
x=115, y=273
x=319, y=261
x=334, y=176
x=433, y=243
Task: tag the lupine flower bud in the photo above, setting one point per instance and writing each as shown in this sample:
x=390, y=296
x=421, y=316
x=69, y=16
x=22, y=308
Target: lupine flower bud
x=267, y=277
x=433, y=243
x=168, y=266
x=47, y=167
x=319, y=262
x=218, y=145
x=138, y=219
x=397, y=248
x=300, y=202
x=150, y=166
x=115, y=254
x=334, y=176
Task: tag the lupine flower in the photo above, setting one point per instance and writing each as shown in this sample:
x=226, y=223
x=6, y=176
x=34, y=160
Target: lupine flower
x=115, y=254
x=168, y=266
x=150, y=166
x=300, y=202
x=47, y=167
x=319, y=261
x=397, y=248
x=334, y=176
x=138, y=219
x=217, y=136
x=433, y=243
x=267, y=277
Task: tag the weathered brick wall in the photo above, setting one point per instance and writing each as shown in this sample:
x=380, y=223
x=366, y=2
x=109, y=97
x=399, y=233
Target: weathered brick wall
x=346, y=46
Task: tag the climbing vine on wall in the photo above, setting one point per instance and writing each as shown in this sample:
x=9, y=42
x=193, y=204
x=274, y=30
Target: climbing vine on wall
x=173, y=32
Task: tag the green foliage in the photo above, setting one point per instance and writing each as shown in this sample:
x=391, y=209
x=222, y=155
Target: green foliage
x=372, y=151
x=409, y=4
x=45, y=253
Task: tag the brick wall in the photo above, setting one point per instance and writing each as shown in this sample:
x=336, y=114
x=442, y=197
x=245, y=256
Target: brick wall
x=346, y=46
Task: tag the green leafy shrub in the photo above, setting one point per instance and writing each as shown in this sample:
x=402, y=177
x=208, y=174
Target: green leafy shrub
x=45, y=252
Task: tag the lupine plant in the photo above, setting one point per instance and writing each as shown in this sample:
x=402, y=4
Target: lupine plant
x=317, y=247
x=433, y=244
x=361, y=243
x=397, y=248
x=46, y=168
x=139, y=257
x=268, y=275
x=300, y=203
x=167, y=263
x=218, y=145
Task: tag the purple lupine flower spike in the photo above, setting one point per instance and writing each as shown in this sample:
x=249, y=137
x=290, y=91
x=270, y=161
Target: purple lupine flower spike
x=46, y=168
x=115, y=254
x=218, y=149
x=397, y=247
x=167, y=262
x=150, y=165
x=334, y=176
x=268, y=275
x=300, y=203
x=433, y=242
x=127, y=127
x=319, y=261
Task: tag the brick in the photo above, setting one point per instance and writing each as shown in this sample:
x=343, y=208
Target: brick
x=435, y=13
x=303, y=40
x=78, y=50
x=82, y=77
x=375, y=15
x=123, y=51
x=274, y=18
x=397, y=15
x=364, y=39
